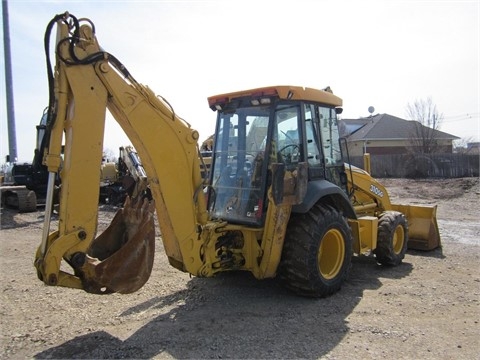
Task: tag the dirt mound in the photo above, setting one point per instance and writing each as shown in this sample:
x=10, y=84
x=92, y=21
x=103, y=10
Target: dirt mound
x=432, y=188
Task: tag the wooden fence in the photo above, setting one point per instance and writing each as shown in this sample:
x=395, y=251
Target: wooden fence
x=422, y=165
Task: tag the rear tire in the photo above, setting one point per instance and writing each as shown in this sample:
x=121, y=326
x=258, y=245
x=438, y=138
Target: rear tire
x=392, y=238
x=317, y=252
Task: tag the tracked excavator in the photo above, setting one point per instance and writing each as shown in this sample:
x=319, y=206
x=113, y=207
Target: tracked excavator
x=15, y=195
x=25, y=184
x=278, y=200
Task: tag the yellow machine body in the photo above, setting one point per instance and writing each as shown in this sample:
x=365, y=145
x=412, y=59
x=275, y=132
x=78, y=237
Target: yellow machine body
x=301, y=232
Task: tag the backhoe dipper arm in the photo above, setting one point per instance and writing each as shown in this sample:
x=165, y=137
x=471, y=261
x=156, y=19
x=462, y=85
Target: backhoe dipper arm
x=87, y=81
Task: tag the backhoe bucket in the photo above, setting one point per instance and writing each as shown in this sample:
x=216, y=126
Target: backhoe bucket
x=121, y=258
x=423, y=230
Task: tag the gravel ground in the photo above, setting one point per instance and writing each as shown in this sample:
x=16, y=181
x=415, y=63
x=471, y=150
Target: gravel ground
x=426, y=308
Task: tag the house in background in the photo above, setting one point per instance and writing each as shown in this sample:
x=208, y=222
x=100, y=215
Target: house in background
x=383, y=134
x=473, y=148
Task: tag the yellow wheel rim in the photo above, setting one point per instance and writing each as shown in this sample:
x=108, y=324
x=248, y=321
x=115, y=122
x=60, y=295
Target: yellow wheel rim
x=398, y=239
x=331, y=254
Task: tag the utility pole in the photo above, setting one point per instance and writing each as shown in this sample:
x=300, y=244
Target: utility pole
x=12, y=135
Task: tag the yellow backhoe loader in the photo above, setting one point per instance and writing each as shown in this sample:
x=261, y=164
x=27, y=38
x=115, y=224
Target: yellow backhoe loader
x=278, y=199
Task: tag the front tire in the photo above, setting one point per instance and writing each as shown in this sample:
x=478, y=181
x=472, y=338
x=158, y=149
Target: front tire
x=317, y=252
x=392, y=238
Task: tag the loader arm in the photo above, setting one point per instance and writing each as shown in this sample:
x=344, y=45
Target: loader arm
x=371, y=198
x=87, y=81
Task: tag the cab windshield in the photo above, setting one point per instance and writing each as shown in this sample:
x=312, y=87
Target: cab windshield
x=237, y=165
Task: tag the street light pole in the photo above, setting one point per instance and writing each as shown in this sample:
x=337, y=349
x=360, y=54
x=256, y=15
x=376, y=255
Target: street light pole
x=12, y=136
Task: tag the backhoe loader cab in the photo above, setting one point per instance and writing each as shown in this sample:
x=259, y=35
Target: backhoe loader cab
x=283, y=126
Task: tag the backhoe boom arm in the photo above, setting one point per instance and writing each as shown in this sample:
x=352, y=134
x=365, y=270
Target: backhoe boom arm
x=87, y=82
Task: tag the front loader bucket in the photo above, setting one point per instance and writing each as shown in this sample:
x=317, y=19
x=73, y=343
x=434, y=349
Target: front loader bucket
x=423, y=230
x=121, y=258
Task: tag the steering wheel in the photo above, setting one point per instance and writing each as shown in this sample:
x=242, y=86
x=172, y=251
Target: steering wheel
x=286, y=157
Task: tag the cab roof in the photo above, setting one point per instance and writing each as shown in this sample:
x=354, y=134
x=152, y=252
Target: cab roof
x=289, y=92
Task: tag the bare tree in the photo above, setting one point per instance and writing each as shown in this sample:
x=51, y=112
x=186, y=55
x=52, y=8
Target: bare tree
x=109, y=155
x=423, y=137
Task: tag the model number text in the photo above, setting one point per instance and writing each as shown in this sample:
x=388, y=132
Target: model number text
x=376, y=190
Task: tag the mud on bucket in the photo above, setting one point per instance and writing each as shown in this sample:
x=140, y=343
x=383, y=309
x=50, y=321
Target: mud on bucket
x=121, y=258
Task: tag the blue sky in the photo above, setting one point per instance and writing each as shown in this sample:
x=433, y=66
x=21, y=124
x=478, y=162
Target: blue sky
x=384, y=54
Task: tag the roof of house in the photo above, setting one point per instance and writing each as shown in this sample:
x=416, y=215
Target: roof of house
x=383, y=127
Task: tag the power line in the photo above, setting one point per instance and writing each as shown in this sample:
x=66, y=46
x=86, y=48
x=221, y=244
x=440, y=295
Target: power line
x=461, y=117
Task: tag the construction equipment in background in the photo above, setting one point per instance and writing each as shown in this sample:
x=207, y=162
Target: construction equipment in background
x=124, y=178
x=279, y=200
x=25, y=184
x=16, y=196
x=206, y=157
